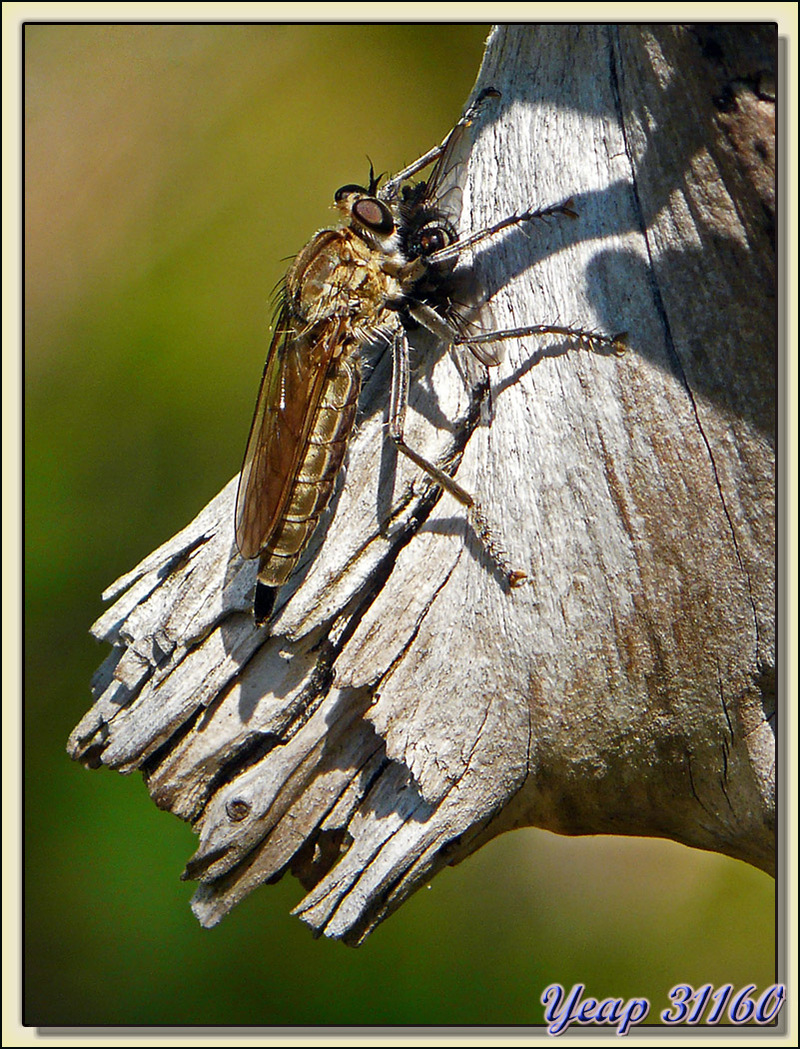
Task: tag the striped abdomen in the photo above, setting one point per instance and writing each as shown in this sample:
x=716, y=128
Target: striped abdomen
x=319, y=467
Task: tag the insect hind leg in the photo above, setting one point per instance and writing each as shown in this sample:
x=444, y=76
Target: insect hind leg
x=398, y=403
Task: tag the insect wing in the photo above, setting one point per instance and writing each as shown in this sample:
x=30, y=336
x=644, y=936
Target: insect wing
x=438, y=198
x=441, y=187
x=291, y=387
x=440, y=201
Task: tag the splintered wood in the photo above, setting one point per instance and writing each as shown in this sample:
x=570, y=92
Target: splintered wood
x=404, y=704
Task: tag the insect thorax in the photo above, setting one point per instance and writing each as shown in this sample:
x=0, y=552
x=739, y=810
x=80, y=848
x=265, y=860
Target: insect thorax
x=339, y=277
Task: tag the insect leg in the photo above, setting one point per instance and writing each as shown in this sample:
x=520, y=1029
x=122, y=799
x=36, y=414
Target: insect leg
x=582, y=337
x=597, y=342
x=398, y=402
x=452, y=251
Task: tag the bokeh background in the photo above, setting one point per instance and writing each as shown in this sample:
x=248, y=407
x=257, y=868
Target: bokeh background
x=170, y=171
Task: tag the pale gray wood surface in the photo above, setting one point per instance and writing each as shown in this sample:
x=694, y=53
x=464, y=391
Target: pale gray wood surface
x=405, y=706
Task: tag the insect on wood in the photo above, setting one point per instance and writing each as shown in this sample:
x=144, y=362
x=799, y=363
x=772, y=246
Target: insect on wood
x=385, y=272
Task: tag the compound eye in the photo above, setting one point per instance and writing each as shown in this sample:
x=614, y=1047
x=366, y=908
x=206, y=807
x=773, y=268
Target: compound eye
x=433, y=238
x=345, y=191
x=373, y=214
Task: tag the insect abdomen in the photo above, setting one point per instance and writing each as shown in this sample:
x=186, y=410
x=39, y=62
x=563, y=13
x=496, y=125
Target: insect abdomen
x=313, y=486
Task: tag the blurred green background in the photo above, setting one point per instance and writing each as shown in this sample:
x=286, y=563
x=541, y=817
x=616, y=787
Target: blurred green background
x=170, y=171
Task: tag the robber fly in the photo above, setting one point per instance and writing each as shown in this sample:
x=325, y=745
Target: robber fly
x=384, y=272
